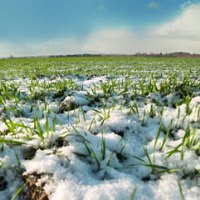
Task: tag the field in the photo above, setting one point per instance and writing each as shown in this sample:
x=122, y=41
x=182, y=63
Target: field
x=100, y=128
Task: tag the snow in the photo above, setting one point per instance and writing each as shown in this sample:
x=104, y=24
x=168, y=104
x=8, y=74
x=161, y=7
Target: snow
x=83, y=168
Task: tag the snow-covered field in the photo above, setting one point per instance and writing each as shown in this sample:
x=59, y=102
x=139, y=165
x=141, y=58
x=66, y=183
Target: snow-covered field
x=133, y=136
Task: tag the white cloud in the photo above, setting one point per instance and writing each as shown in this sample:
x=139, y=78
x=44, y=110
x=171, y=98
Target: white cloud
x=155, y=44
x=153, y=5
x=185, y=5
x=51, y=47
x=180, y=34
x=110, y=41
x=186, y=26
x=101, y=7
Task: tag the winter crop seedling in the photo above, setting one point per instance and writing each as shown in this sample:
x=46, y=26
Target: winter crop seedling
x=130, y=122
x=181, y=190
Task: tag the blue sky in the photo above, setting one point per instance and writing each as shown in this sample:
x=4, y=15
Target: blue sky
x=72, y=26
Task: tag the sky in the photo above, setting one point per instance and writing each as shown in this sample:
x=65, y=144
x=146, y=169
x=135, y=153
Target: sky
x=53, y=27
